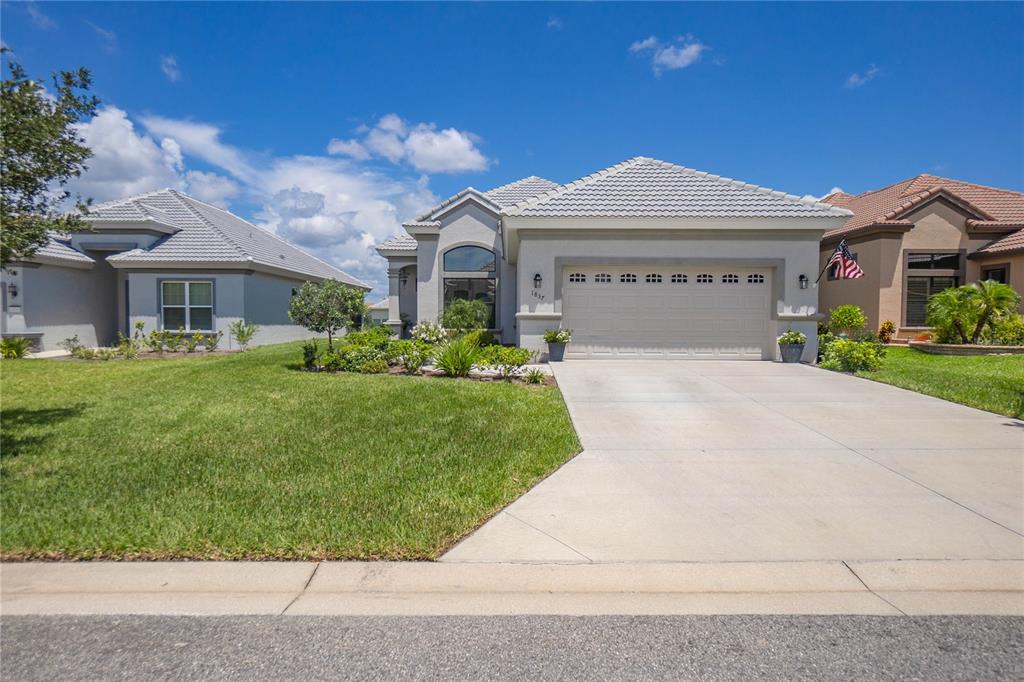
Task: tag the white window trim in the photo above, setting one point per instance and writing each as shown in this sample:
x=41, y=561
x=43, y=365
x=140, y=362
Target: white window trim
x=187, y=305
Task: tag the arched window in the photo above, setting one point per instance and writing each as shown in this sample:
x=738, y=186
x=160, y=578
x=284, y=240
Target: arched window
x=653, y=278
x=469, y=259
x=755, y=279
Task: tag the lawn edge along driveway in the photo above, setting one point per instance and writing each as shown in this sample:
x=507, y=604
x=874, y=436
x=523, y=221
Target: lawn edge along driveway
x=245, y=456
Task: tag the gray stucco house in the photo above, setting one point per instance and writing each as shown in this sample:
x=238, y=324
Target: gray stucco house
x=642, y=259
x=167, y=260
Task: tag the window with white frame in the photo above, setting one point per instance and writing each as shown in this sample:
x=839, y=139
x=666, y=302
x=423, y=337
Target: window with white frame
x=577, y=277
x=602, y=278
x=186, y=305
x=755, y=279
x=679, y=278
x=653, y=278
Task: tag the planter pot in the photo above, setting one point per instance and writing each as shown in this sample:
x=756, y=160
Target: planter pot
x=791, y=352
x=556, y=351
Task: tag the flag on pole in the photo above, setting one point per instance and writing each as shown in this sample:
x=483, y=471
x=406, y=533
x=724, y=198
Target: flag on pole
x=846, y=264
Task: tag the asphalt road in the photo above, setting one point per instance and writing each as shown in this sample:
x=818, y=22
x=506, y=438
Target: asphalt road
x=522, y=647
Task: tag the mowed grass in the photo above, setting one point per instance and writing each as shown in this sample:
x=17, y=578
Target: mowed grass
x=244, y=456
x=988, y=382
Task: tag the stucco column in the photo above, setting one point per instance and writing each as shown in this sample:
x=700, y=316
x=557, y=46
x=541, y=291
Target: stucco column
x=394, y=315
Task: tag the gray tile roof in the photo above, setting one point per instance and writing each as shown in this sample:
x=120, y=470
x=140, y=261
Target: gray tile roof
x=57, y=249
x=208, y=234
x=379, y=305
x=647, y=187
x=402, y=242
x=519, y=191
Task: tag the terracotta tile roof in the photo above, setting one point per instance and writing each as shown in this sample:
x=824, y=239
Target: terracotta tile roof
x=1011, y=243
x=992, y=207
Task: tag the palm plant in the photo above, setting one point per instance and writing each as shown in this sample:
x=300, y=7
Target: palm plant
x=994, y=300
x=953, y=309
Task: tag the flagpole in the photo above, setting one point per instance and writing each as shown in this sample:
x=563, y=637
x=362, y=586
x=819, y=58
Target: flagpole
x=827, y=263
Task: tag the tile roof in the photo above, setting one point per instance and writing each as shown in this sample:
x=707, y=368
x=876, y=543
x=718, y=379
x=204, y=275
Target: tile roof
x=402, y=242
x=57, y=248
x=651, y=188
x=1011, y=243
x=379, y=305
x=519, y=191
x=888, y=206
x=207, y=234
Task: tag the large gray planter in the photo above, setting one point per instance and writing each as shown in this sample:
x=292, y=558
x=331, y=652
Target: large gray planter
x=791, y=352
x=556, y=351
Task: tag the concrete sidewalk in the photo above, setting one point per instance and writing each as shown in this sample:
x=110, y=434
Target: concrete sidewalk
x=380, y=588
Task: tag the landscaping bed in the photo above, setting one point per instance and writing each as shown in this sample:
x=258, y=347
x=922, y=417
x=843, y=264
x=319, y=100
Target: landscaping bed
x=245, y=456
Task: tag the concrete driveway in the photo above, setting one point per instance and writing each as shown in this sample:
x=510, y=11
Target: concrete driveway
x=758, y=461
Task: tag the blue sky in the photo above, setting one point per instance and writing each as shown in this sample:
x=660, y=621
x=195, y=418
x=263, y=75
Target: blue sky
x=333, y=123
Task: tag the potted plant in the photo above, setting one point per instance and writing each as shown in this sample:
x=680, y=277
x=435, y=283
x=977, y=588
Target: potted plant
x=556, y=340
x=792, y=345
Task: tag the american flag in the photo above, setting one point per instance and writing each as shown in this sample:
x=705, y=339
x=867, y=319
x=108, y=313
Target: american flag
x=846, y=264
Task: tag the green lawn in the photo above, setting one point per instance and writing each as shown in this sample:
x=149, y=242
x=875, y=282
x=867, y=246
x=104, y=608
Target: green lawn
x=988, y=382
x=244, y=456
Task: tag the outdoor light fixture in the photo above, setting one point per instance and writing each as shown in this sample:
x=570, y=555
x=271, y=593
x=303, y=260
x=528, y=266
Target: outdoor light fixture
x=803, y=281
x=12, y=290
x=537, y=281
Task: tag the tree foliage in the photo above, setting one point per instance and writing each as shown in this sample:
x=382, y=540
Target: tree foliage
x=962, y=313
x=327, y=307
x=40, y=151
x=462, y=316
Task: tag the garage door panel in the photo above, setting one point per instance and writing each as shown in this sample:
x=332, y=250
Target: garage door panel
x=724, y=316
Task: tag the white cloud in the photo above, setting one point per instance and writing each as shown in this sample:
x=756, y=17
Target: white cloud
x=169, y=65
x=857, y=80
x=211, y=188
x=422, y=146
x=125, y=161
x=108, y=37
x=201, y=140
x=555, y=24
x=39, y=19
x=685, y=51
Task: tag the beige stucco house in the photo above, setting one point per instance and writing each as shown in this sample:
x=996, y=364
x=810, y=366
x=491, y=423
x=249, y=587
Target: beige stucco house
x=919, y=236
x=642, y=259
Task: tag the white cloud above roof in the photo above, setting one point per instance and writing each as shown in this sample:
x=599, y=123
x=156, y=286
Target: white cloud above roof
x=423, y=146
x=859, y=80
x=670, y=56
x=169, y=65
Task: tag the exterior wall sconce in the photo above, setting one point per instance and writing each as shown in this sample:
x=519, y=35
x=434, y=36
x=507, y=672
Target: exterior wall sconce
x=537, y=281
x=803, y=281
x=12, y=290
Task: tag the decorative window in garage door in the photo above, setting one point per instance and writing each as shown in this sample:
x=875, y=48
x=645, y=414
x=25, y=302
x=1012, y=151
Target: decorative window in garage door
x=678, y=278
x=577, y=277
x=627, y=278
x=730, y=279
x=602, y=278
x=653, y=278
x=755, y=279
x=705, y=279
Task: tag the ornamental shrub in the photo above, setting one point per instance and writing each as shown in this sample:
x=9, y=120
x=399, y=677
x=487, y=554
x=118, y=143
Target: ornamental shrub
x=508, y=360
x=310, y=355
x=327, y=307
x=846, y=319
x=375, y=337
x=792, y=337
x=457, y=357
x=845, y=355
x=559, y=335
x=481, y=337
x=1009, y=330
x=14, y=347
x=243, y=332
x=429, y=332
x=462, y=316
x=535, y=376
x=887, y=331
x=412, y=354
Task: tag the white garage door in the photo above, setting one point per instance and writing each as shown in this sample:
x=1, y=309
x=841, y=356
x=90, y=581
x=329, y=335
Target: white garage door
x=670, y=312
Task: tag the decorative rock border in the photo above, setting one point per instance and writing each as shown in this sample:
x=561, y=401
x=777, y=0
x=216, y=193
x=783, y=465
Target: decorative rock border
x=961, y=349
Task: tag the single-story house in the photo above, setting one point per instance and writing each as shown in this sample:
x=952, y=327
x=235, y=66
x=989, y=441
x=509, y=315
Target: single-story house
x=642, y=259
x=167, y=260
x=918, y=237
x=378, y=312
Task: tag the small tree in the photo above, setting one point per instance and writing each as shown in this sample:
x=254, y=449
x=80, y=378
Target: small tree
x=961, y=313
x=462, y=316
x=846, y=319
x=327, y=307
x=40, y=151
x=994, y=300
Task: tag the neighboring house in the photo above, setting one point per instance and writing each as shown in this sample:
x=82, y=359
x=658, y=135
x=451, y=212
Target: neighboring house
x=645, y=258
x=164, y=259
x=921, y=236
x=378, y=312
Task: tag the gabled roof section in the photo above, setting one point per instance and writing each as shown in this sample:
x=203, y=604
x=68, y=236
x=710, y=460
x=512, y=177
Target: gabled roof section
x=57, y=250
x=989, y=207
x=402, y=242
x=645, y=187
x=131, y=210
x=210, y=235
x=1011, y=243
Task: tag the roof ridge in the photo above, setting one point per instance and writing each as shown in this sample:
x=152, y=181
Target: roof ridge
x=990, y=188
x=182, y=198
x=133, y=198
x=579, y=182
x=516, y=182
x=266, y=232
